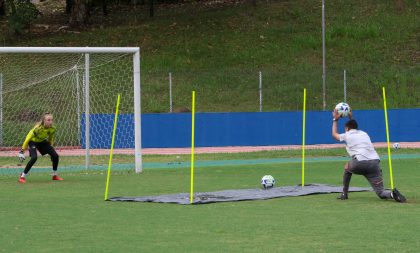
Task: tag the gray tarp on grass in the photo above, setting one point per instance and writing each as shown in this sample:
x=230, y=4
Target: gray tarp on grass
x=242, y=194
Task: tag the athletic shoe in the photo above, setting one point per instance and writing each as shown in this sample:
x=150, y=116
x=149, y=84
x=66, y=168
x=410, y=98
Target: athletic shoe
x=343, y=196
x=397, y=196
x=55, y=177
x=22, y=180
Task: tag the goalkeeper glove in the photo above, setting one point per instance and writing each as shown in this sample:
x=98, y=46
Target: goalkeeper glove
x=21, y=155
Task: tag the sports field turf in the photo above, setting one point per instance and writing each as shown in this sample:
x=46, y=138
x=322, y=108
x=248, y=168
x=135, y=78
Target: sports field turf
x=71, y=216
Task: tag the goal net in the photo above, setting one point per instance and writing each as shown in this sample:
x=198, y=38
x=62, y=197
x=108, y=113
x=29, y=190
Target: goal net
x=79, y=86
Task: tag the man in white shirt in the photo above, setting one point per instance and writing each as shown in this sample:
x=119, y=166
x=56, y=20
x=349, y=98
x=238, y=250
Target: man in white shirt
x=365, y=161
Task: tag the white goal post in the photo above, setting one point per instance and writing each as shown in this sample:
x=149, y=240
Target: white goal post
x=79, y=85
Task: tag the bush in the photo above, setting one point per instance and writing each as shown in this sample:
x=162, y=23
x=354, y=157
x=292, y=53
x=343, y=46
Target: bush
x=20, y=15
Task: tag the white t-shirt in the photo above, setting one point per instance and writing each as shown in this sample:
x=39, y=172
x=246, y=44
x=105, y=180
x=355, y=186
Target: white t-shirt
x=359, y=145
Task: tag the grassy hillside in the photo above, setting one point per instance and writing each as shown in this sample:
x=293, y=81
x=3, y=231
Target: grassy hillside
x=218, y=51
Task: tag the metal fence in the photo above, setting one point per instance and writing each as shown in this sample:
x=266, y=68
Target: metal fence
x=234, y=90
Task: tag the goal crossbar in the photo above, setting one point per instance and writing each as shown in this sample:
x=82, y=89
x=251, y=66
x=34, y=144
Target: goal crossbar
x=69, y=50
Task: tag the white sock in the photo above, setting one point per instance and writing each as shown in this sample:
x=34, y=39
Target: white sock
x=54, y=173
x=23, y=174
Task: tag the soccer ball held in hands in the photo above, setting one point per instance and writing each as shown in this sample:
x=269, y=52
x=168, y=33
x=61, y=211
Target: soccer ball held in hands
x=343, y=109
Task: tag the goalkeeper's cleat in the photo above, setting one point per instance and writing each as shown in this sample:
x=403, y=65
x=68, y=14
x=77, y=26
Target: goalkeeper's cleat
x=22, y=180
x=57, y=178
x=397, y=196
x=343, y=196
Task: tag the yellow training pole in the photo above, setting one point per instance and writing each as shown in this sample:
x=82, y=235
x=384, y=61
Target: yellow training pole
x=303, y=137
x=192, y=147
x=387, y=140
x=112, y=147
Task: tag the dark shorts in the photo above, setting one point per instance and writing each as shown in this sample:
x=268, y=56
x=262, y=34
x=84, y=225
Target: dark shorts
x=43, y=147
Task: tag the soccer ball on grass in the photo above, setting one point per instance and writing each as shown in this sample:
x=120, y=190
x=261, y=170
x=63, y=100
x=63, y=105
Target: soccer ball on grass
x=343, y=109
x=268, y=181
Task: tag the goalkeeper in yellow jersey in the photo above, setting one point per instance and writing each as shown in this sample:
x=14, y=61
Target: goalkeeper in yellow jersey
x=40, y=138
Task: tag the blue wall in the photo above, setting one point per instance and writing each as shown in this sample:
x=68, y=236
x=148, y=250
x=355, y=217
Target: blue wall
x=248, y=128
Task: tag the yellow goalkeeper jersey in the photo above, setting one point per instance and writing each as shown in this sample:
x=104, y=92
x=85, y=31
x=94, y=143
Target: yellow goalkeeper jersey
x=39, y=134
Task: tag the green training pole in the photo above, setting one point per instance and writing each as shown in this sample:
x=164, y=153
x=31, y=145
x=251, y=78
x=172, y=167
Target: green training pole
x=192, y=147
x=112, y=147
x=387, y=140
x=303, y=137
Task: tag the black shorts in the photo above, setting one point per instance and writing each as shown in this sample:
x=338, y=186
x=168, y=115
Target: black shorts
x=43, y=147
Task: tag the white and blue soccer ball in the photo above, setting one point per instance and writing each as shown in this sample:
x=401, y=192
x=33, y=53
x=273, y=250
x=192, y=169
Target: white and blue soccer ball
x=268, y=181
x=343, y=109
x=396, y=145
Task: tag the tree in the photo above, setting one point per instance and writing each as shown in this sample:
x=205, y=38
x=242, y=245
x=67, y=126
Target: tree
x=20, y=15
x=104, y=7
x=79, y=14
x=151, y=9
x=2, y=7
x=69, y=4
x=79, y=10
x=400, y=4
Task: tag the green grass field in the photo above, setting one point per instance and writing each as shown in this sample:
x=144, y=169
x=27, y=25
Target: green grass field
x=71, y=216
